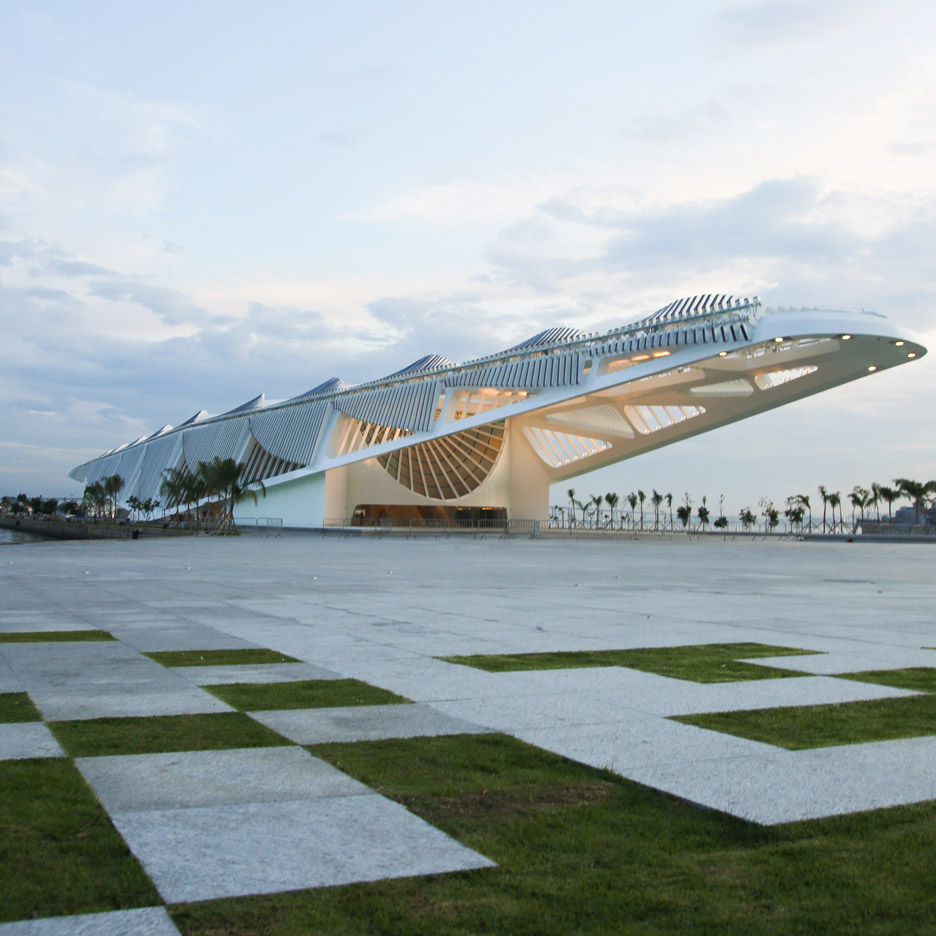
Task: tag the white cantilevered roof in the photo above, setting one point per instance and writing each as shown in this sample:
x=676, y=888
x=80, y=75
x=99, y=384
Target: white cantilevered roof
x=425, y=398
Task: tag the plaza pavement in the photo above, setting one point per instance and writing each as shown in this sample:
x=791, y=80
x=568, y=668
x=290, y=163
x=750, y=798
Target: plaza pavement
x=209, y=824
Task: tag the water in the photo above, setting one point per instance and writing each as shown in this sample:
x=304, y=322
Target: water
x=15, y=536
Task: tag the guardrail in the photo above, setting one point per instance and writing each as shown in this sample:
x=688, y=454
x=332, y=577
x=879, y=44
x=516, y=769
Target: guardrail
x=435, y=527
x=262, y=526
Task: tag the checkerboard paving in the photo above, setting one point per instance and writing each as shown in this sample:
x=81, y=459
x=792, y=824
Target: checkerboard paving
x=210, y=824
x=207, y=824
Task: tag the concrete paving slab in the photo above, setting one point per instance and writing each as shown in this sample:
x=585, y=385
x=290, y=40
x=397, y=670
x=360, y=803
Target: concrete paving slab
x=134, y=783
x=24, y=624
x=252, y=673
x=101, y=679
x=146, y=921
x=850, y=661
x=670, y=697
x=21, y=740
x=189, y=637
x=9, y=681
x=642, y=742
x=261, y=848
x=364, y=723
x=790, y=786
x=516, y=713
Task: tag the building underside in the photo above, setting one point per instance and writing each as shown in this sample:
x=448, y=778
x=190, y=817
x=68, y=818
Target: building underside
x=487, y=438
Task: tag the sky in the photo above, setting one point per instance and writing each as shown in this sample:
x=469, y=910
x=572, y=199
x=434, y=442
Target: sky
x=203, y=202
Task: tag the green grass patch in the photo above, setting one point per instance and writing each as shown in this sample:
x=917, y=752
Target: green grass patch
x=310, y=693
x=797, y=727
x=78, y=636
x=59, y=852
x=17, y=707
x=702, y=663
x=220, y=657
x=917, y=678
x=160, y=734
x=583, y=851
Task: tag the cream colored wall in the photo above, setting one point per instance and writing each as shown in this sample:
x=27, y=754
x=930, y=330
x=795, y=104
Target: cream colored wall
x=528, y=478
x=518, y=482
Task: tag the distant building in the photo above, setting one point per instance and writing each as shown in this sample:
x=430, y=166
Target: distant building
x=487, y=438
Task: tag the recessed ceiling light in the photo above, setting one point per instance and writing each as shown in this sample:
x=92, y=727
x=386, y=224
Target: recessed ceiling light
x=846, y=337
x=899, y=344
x=778, y=340
x=911, y=354
x=872, y=368
x=723, y=354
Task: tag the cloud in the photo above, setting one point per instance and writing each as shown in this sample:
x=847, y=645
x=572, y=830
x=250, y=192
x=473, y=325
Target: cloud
x=787, y=237
x=773, y=219
x=76, y=268
x=172, y=306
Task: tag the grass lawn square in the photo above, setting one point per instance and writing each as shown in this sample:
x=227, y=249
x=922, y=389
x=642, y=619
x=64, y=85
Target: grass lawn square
x=76, y=636
x=917, y=678
x=59, y=852
x=17, y=707
x=163, y=733
x=702, y=663
x=243, y=657
x=310, y=693
x=581, y=850
x=810, y=726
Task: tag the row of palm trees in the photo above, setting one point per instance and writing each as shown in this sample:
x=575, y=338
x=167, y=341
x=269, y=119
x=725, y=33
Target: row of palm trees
x=100, y=497
x=797, y=508
x=214, y=489
x=862, y=499
x=222, y=479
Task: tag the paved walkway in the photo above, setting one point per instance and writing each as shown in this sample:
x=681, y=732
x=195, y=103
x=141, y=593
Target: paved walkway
x=212, y=824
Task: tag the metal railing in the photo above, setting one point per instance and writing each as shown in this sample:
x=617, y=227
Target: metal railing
x=262, y=526
x=435, y=527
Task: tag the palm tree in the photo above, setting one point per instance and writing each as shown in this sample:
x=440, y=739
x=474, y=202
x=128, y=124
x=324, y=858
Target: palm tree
x=916, y=492
x=113, y=485
x=135, y=504
x=794, y=510
x=860, y=497
x=684, y=511
x=656, y=498
x=632, y=500
x=824, y=494
x=572, y=501
x=747, y=518
x=803, y=500
x=875, y=500
x=770, y=513
x=703, y=513
x=95, y=496
x=597, y=500
x=641, y=497
x=611, y=499
x=224, y=478
x=173, y=488
x=889, y=494
x=669, y=504
x=835, y=500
